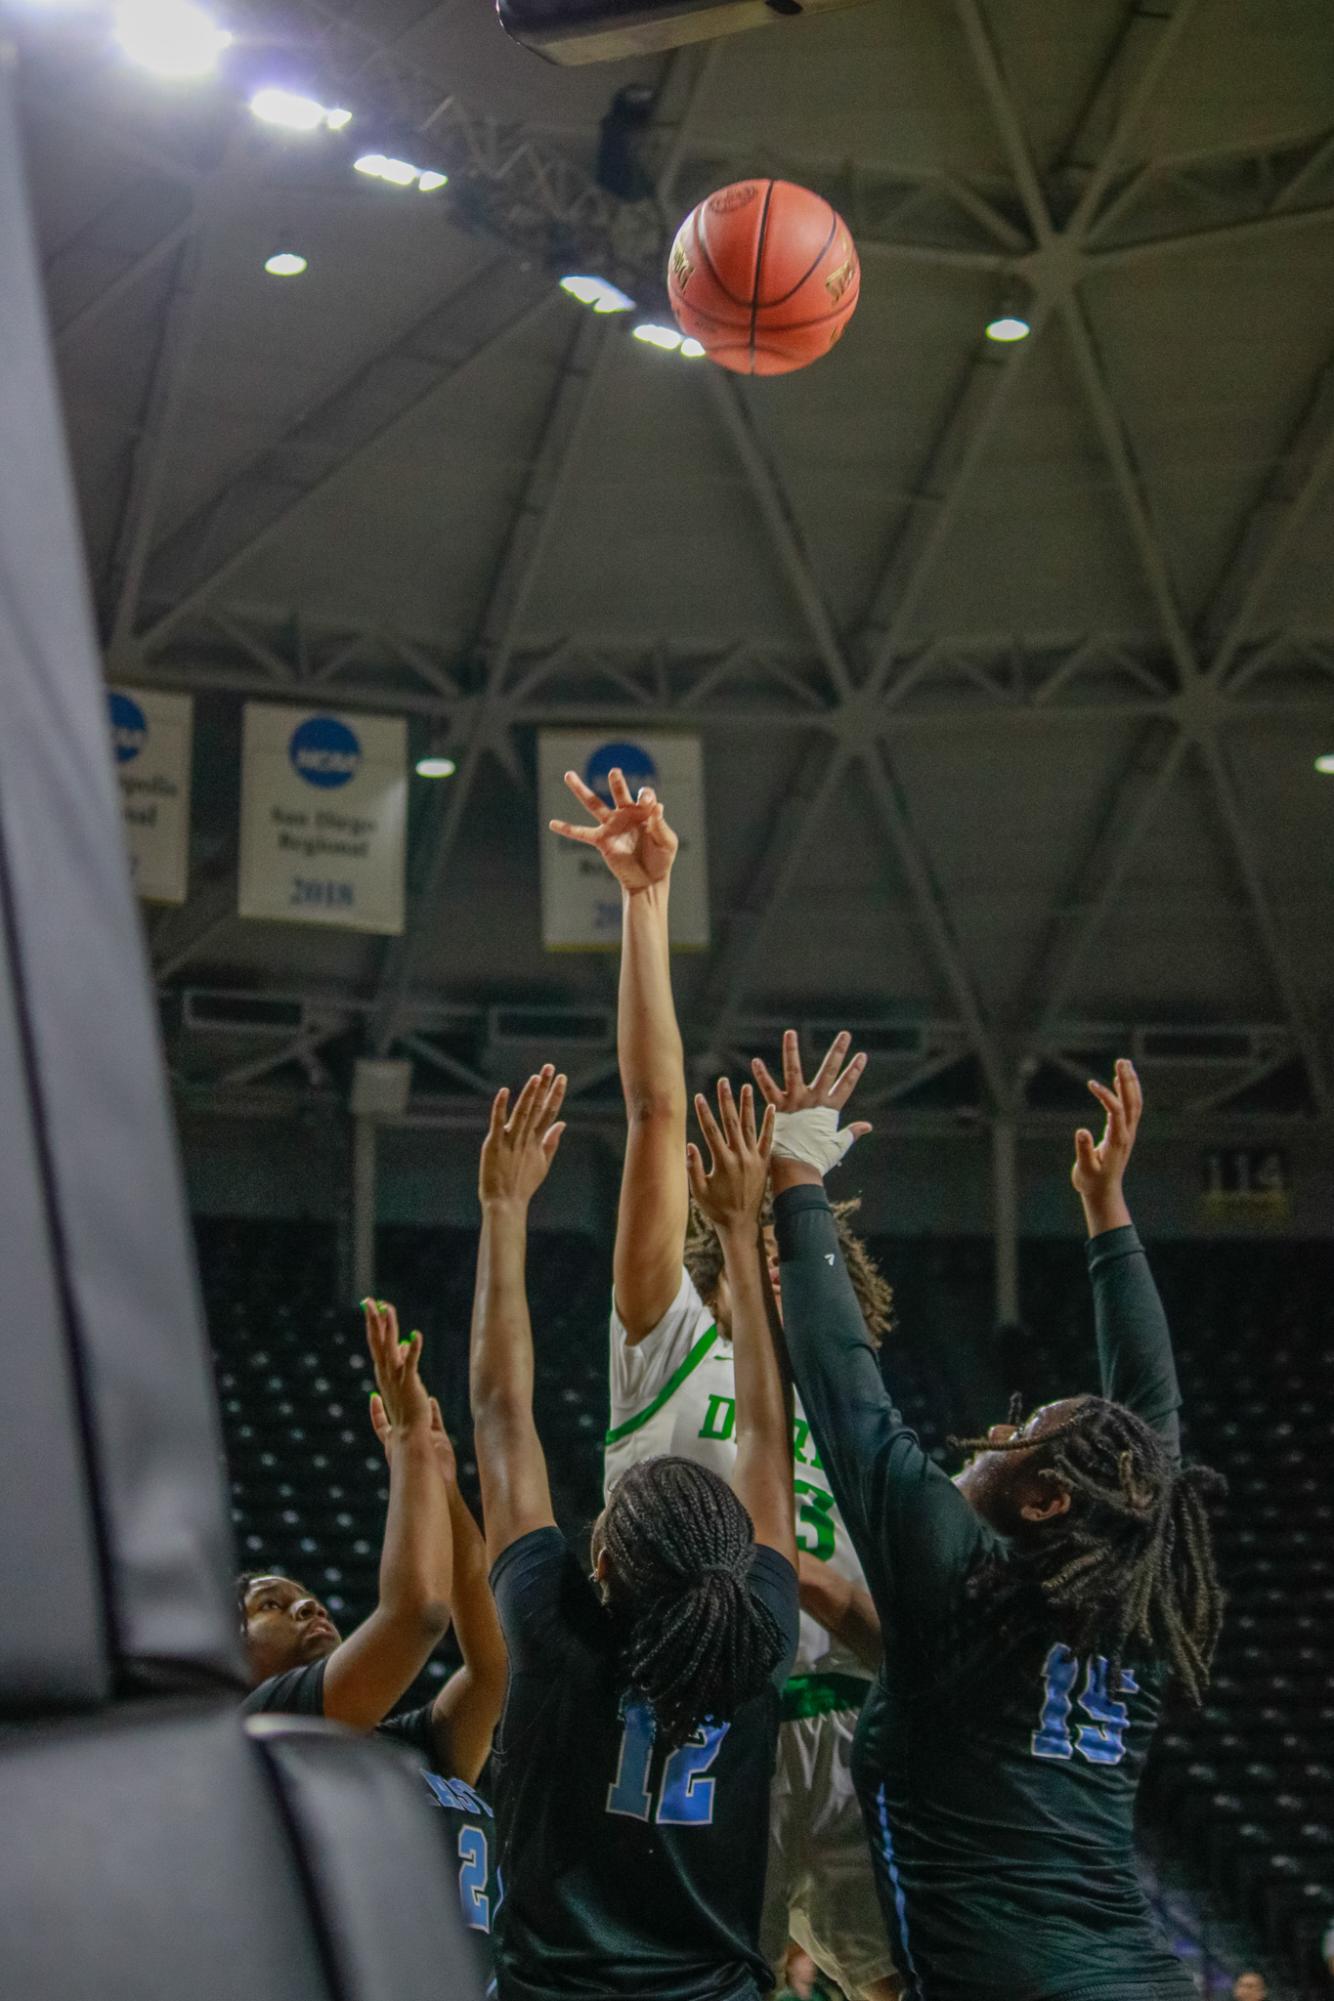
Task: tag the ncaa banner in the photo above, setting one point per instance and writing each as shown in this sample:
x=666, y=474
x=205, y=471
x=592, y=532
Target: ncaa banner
x=324, y=802
x=581, y=904
x=151, y=736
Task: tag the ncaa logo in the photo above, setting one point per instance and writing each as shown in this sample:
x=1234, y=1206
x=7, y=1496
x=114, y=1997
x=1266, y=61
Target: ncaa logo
x=632, y=759
x=129, y=727
x=324, y=751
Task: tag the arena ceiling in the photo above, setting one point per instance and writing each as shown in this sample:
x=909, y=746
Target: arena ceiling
x=1011, y=664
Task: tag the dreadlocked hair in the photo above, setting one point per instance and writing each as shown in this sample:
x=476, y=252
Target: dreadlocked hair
x=1131, y=1564
x=875, y=1295
x=679, y=1545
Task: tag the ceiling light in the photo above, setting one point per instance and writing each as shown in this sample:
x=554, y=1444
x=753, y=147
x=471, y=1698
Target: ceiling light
x=428, y=181
x=380, y=167
x=597, y=293
x=170, y=37
x=296, y=112
x=653, y=335
x=1008, y=327
x=435, y=767
x=692, y=349
x=1325, y=763
x=285, y=264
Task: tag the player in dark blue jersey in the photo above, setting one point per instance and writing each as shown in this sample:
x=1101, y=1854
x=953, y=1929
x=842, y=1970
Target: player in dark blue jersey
x=1033, y=1612
x=433, y=1566
x=635, y=1754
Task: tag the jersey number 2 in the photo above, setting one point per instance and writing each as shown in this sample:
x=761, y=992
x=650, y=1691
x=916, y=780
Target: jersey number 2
x=685, y=1796
x=1102, y=1740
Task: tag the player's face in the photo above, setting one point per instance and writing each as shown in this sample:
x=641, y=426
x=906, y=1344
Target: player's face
x=721, y=1303
x=285, y=1627
x=1001, y=1486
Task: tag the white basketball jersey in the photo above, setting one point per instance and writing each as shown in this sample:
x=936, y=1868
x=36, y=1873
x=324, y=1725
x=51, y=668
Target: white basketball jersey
x=675, y=1391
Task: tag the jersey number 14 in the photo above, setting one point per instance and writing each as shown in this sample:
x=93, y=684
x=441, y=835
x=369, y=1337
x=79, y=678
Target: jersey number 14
x=685, y=1795
x=1102, y=1740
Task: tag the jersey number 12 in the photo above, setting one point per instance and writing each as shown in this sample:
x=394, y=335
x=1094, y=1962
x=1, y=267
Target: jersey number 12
x=685, y=1795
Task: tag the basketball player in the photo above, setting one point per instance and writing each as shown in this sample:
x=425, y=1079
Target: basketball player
x=433, y=1563
x=634, y=1757
x=1034, y=1610
x=672, y=1390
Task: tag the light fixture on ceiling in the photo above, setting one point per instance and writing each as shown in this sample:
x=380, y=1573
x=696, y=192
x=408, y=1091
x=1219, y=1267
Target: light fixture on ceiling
x=693, y=350
x=170, y=37
x=435, y=766
x=653, y=334
x=1325, y=764
x=399, y=173
x=598, y=293
x=1008, y=325
x=285, y=264
x=296, y=112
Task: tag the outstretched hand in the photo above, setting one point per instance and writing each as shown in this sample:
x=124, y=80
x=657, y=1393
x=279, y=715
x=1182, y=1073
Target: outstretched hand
x=631, y=835
x=1099, y=1168
x=520, y=1145
x=400, y=1391
x=441, y=1442
x=807, y=1127
x=731, y=1193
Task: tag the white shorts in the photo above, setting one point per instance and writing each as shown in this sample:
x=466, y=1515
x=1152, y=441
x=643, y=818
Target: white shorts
x=820, y=1888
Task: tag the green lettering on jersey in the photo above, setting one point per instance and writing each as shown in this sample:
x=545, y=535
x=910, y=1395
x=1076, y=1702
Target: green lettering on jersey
x=815, y=1509
x=801, y=1438
x=719, y=1418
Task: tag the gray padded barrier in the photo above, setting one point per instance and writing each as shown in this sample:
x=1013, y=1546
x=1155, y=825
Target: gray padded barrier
x=389, y=1904
x=146, y=1858
x=93, y=1232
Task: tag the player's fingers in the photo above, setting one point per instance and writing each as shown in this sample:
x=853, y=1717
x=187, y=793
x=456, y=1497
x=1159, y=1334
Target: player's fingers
x=551, y=1104
x=389, y=1315
x=699, y=1186
x=499, y=1107
x=824, y=1077
x=727, y=1113
x=437, y=1420
x=792, y=1079
x=410, y=1348
x=860, y=1127
x=843, y=1087
x=586, y=796
x=518, y=1118
x=379, y=1422
x=748, y=1115
x=551, y=1139
x=1085, y=1151
x=1109, y=1101
x=708, y=1125
x=646, y=796
x=588, y=835
x=768, y=1088
x=1132, y=1096
x=766, y=1138
x=616, y=785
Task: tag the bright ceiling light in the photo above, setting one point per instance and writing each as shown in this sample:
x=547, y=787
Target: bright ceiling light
x=1008, y=327
x=285, y=264
x=297, y=113
x=435, y=767
x=693, y=350
x=1325, y=763
x=380, y=167
x=653, y=335
x=428, y=181
x=597, y=293
x=170, y=37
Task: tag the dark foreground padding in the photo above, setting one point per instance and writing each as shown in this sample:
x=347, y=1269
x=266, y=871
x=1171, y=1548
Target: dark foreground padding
x=99, y=1279
x=391, y=1914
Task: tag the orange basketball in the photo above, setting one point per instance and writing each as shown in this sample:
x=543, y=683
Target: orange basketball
x=764, y=275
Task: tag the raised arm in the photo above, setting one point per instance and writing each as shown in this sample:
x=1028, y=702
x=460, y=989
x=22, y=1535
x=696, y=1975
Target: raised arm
x=730, y=1194
x=1134, y=1341
x=465, y=1713
x=374, y=1666
x=516, y=1155
x=638, y=846
x=915, y=1533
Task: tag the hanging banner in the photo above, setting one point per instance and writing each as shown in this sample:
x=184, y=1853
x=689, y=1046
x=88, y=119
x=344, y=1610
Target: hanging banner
x=581, y=904
x=151, y=736
x=324, y=802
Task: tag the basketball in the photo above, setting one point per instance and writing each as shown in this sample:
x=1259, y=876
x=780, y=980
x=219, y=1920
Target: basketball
x=764, y=275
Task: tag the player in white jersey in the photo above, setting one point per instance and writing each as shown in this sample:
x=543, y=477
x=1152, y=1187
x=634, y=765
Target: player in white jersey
x=672, y=1390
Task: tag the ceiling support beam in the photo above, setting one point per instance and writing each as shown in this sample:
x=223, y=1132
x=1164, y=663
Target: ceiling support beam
x=1279, y=959
x=152, y=636
x=1005, y=116
x=518, y=567
x=1132, y=111
x=95, y=309
x=1248, y=229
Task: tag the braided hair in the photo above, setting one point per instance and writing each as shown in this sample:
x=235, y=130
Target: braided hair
x=875, y=1295
x=1131, y=1563
x=679, y=1546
